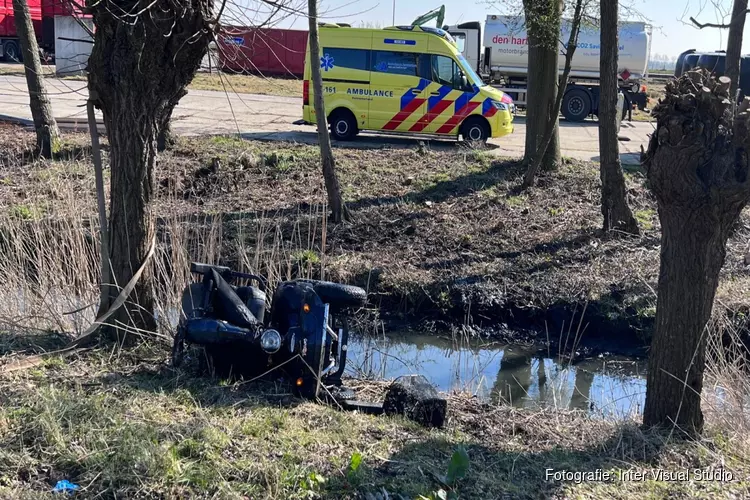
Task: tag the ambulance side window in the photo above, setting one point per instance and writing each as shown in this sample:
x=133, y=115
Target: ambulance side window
x=445, y=71
x=347, y=58
x=397, y=63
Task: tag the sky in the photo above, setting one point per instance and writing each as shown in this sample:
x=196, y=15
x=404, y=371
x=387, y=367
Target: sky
x=672, y=34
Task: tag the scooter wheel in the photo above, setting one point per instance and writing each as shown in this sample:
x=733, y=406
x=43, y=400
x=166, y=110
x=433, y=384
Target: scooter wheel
x=339, y=393
x=178, y=347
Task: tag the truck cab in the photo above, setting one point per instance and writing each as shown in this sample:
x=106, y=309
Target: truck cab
x=468, y=37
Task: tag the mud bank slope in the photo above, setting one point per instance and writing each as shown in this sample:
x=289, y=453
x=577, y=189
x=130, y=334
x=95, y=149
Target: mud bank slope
x=436, y=234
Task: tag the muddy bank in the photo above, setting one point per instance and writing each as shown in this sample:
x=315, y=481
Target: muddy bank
x=483, y=310
x=436, y=237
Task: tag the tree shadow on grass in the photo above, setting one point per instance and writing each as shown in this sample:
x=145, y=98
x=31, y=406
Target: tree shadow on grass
x=577, y=239
x=510, y=451
x=508, y=466
x=463, y=185
x=205, y=386
x=65, y=152
x=30, y=342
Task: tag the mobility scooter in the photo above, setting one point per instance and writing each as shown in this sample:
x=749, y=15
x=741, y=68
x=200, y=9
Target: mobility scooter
x=304, y=333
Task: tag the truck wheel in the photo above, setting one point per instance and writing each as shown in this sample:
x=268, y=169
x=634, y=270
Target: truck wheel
x=343, y=125
x=576, y=105
x=475, y=129
x=12, y=51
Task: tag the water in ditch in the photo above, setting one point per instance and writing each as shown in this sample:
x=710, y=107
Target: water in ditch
x=609, y=386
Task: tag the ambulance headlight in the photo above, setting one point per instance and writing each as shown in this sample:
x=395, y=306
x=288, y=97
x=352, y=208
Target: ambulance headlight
x=270, y=341
x=500, y=105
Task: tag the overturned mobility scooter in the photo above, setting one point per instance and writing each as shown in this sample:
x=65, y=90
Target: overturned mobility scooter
x=304, y=333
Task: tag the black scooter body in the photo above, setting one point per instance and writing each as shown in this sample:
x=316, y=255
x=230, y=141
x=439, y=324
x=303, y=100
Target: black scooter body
x=311, y=353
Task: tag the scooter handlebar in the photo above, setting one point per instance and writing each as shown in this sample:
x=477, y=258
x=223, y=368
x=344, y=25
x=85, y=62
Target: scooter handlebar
x=198, y=268
x=226, y=273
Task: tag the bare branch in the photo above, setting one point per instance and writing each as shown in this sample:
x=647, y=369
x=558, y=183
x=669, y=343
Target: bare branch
x=712, y=25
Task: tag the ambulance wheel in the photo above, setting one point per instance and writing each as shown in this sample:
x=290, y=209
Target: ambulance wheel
x=475, y=129
x=343, y=125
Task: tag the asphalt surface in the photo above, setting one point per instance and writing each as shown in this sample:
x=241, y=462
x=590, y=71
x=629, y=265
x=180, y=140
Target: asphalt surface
x=271, y=118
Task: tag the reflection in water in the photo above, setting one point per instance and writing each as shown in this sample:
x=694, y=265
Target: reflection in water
x=541, y=377
x=581, y=397
x=503, y=373
x=513, y=378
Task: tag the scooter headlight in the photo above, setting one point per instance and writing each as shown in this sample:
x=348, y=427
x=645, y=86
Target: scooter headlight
x=270, y=341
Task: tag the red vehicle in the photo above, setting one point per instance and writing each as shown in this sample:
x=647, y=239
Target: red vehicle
x=43, y=14
x=275, y=52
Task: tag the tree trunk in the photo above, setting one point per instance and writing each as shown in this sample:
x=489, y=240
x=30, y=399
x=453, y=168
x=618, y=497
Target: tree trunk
x=699, y=171
x=551, y=129
x=138, y=71
x=47, y=133
x=326, y=152
x=543, y=18
x=532, y=112
x=615, y=209
x=734, y=44
x=167, y=138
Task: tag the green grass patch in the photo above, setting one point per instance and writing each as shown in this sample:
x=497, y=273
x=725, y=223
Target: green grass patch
x=124, y=428
x=645, y=218
x=516, y=200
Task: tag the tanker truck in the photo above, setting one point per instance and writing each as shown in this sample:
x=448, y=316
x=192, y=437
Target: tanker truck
x=501, y=58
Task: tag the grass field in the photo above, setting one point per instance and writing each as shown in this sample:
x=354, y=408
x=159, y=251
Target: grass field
x=247, y=84
x=431, y=230
x=129, y=426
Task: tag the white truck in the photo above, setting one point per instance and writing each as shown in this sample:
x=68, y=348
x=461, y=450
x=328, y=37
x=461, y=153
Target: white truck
x=501, y=57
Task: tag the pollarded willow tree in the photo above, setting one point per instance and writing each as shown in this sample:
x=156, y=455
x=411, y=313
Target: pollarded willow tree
x=699, y=169
x=145, y=54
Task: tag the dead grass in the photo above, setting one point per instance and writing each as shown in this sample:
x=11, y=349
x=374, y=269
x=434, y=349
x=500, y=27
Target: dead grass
x=218, y=81
x=436, y=226
x=435, y=231
x=247, y=84
x=128, y=426
x=9, y=69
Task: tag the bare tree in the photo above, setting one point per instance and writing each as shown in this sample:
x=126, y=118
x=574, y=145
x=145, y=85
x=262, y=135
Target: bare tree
x=699, y=170
x=615, y=209
x=145, y=54
x=549, y=123
x=47, y=133
x=338, y=210
x=734, y=40
x=543, y=20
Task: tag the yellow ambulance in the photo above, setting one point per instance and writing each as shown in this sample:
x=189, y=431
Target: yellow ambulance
x=404, y=79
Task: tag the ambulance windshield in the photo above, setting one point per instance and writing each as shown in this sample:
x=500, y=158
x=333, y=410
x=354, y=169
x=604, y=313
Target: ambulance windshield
x=469, y=72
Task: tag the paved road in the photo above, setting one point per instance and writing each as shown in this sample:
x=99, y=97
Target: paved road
x=271, y=118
